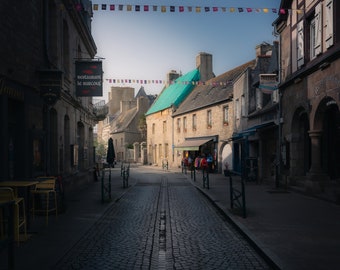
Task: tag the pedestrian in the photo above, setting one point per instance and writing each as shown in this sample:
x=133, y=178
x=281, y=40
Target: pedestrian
x=190, y=162
x=204, y=163
x=197, y=163
x=210, y=162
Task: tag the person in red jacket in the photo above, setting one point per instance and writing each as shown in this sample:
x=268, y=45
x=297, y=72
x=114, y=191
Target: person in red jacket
x=204, y=163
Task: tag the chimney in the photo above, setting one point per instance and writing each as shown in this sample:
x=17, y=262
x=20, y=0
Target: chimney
x=263, y=49
x=204, y=64
x=171, y=76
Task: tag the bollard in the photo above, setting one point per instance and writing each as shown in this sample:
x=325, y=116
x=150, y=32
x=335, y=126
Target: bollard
x=236, y=194
x=109, y=185
x=125, y=175
x=106, y=189
x=205, y=174
x=102, y=185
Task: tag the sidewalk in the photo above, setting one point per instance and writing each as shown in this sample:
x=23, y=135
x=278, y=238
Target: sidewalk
x=294, y=230
x=48, y=243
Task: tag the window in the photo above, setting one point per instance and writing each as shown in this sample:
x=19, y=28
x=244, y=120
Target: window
x=300, y=44
x=184, y=124
x=315, y=33
x=160, y=152
x=164, y=127
x=243, y=106
x=258, y=99
x=66, y=48
x=194, y=122
x=209, y=119
x=237, y=108
x=166, y=150
x=225, y=114
x=178, y=124
x=153, y=128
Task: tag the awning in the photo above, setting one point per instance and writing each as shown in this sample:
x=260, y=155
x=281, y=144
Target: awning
x=191, y=145
x=251, y=131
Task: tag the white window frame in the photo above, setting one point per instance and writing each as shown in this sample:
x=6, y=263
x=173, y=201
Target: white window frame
x=259, y=99
x=237, y=109
x=225, y=114
x=209, y=118
x=243, y=106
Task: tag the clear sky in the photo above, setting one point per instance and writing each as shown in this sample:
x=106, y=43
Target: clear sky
x=147, y=45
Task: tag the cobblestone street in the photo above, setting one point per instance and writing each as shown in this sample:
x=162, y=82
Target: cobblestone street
x=163, y=222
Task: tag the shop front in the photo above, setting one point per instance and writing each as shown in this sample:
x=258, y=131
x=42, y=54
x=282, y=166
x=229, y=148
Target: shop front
x=191, y=148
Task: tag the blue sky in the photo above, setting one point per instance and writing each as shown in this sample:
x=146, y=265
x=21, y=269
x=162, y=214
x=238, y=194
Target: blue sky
x=147, y=45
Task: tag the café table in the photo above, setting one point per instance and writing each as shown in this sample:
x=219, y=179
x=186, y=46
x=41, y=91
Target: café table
x=26, y=186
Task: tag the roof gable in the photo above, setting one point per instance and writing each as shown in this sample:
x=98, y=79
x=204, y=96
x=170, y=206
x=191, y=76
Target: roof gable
x=176, y=92
x=215, y=90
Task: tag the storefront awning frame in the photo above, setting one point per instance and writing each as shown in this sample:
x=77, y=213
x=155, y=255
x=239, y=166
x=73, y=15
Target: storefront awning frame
x=192, y=144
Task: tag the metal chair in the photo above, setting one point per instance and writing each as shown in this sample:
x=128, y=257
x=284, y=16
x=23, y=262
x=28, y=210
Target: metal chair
x=44, y=191
x=7, y=194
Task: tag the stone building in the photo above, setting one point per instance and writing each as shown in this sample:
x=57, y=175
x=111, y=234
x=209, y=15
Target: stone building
x=310, y=89
x=255, y=136
x=203, y=122
x=115, y=96
x=46, y=127
x=159, y=120
x=125, y=123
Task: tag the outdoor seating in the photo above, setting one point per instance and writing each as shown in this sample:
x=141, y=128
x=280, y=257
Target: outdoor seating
x=7, y=194
x=45, y=197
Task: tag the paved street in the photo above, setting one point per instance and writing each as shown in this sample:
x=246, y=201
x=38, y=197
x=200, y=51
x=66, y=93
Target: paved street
x=163, y=222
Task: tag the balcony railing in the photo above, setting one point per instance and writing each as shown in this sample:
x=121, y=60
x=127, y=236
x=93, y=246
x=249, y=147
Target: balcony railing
x=100, y=110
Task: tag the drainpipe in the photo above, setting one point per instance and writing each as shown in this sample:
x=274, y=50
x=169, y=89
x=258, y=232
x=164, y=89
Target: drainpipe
x=279, y=143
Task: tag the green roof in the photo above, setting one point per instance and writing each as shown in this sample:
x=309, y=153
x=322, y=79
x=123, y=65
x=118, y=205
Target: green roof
x=176, y=92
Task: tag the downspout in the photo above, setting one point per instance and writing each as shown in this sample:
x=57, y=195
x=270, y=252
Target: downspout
x=46, y=34
x=279, y=146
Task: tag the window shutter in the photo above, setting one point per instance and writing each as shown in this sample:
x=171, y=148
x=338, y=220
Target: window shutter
x=318, y=29
x=329, y=23
x=258, y=99
x=275, y=96
x=300, y=44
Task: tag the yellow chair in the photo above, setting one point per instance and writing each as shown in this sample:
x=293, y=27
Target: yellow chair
x=45, y=190
x=7, y=194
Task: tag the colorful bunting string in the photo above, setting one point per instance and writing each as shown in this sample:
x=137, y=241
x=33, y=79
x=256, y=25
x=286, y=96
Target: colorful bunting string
x=181, y=9
x=134, y=81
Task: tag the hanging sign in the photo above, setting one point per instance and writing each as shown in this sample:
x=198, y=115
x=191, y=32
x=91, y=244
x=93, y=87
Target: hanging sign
x=89, y=78
x=268, y=83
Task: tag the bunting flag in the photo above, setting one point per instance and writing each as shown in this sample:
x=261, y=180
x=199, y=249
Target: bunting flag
x=143, y=81
x=181, y=9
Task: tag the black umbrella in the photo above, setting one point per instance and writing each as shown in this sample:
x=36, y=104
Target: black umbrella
x=110, y=157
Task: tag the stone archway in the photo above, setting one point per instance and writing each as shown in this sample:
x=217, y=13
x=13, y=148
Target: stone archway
x=226, y=154
x=300, y=144
x=327, y=121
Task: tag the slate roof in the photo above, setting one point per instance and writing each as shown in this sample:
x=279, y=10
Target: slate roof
x=122, y=122
x=216, y=90
x=175, y=93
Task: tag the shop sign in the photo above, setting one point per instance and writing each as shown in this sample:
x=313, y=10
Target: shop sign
x=89, y=78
